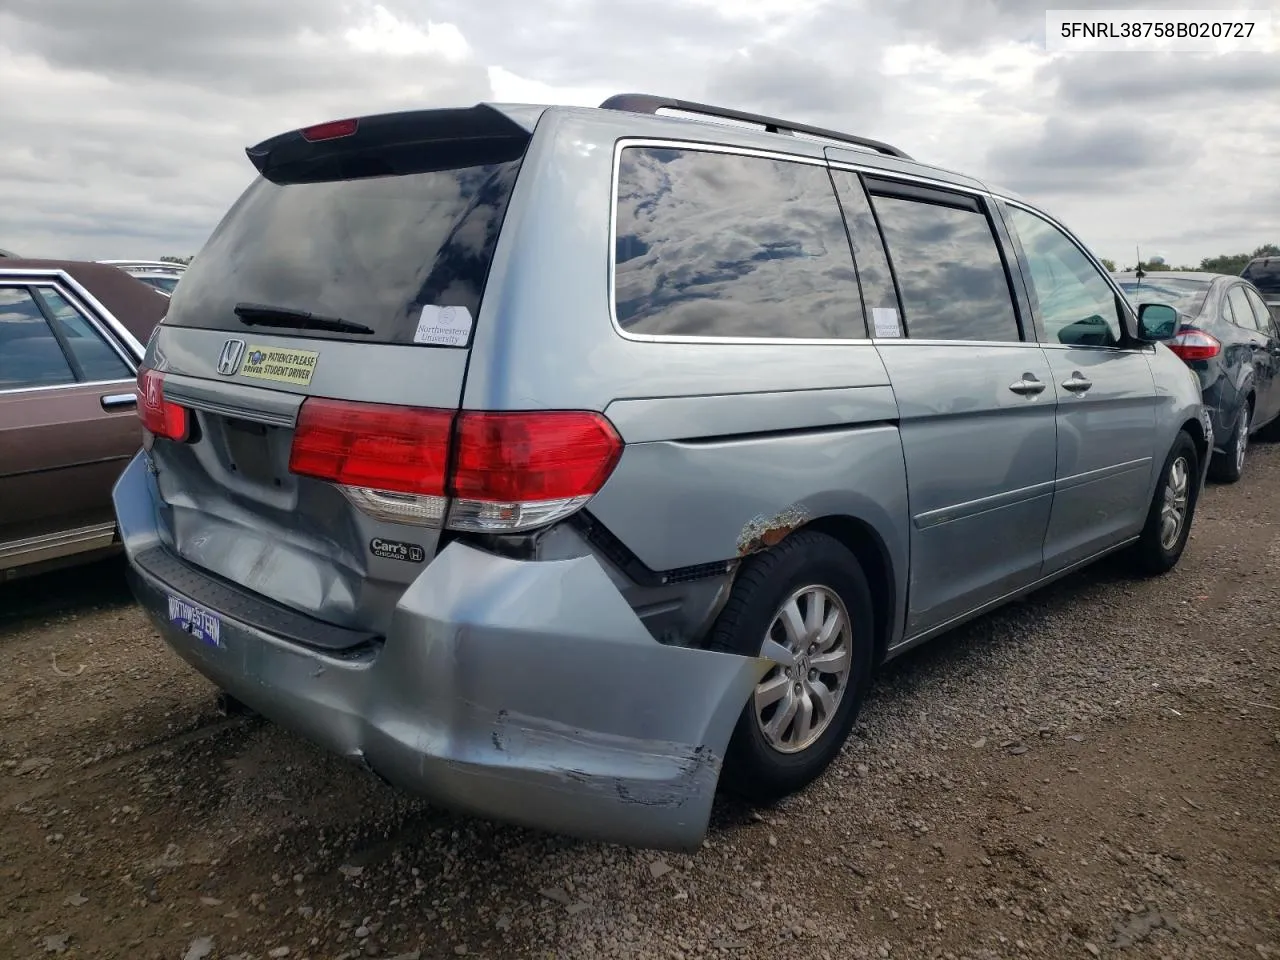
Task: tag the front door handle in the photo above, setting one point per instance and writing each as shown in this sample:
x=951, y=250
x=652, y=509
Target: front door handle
x=1077, y=383
x=118, y=401
x=1028, y=386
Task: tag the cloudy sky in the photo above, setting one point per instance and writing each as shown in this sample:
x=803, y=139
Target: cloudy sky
x=126, y=120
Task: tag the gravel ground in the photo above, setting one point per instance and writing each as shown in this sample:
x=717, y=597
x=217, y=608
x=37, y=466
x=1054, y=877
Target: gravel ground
x=1090, y=772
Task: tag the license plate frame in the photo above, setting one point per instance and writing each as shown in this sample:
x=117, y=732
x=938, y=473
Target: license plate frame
x=195, y=621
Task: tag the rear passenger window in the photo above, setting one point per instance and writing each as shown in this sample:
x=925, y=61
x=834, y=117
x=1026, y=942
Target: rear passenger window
x=1241, y=309
x=96, y=358
x=720, y=245
x=950, y=272
x=29, y=353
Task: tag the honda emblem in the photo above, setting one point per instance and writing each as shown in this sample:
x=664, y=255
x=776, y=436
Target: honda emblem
x=229, y=359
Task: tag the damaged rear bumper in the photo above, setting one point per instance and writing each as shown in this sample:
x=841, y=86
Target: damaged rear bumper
x=527, y=692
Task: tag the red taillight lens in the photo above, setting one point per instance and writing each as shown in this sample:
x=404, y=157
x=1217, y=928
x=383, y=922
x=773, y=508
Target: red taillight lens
x=158, y=415
x=522, y=457
x=1192, y=344
x=382, y=447
x=333, y=130
x=510, y=471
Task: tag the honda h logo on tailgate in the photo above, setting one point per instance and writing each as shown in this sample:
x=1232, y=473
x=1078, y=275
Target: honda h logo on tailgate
x=229, y=359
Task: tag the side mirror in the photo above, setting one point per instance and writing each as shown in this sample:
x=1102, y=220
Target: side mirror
x=1157, y=322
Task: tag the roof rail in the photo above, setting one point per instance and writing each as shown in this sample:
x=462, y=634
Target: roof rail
x=646, y=103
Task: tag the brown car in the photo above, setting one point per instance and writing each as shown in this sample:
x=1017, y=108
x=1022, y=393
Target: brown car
x=71, y=337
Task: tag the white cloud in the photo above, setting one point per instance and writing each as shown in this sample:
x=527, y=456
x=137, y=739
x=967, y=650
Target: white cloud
x=383, y=32
x=510, y=88
x=125, y=122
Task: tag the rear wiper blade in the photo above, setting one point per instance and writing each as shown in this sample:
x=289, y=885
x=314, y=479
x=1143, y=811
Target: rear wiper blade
x=263, y=315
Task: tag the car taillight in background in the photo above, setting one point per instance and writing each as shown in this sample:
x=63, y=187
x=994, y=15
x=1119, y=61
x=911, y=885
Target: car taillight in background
x=1192, y=344
x=158, y=415
x=504, y=472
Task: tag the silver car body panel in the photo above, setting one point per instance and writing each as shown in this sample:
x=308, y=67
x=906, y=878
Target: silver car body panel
x=446, y=707
x=527, y=688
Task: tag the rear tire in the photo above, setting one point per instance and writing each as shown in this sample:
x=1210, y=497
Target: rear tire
x=1172, y=510
x=1228, y=467
x=809, y=596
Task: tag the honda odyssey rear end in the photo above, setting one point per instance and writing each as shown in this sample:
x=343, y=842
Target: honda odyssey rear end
x=320, y=526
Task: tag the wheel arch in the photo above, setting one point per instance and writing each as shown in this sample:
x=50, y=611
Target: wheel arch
x=1195, y=429
x=862, y=540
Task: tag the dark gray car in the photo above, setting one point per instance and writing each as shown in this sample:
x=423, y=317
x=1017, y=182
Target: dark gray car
x=1264, y=273
x=1229, y=338
x=547, y=459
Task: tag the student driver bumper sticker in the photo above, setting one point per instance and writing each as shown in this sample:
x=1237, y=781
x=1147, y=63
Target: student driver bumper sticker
x=281, y=365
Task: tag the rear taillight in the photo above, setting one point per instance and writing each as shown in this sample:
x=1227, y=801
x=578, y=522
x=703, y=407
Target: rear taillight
x=1192, y=344
x=505, y=472
x=516, y=471
x=390, y=461
x=159, y=416
x=404, y=449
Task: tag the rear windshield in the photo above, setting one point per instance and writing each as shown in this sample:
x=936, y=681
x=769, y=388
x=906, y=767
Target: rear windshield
x=1265, y=275
x=1185, y=296
x=371, y=251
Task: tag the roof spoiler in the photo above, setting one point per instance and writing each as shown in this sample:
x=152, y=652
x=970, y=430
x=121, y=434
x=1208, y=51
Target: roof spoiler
x=416, y=141
x=647, y=103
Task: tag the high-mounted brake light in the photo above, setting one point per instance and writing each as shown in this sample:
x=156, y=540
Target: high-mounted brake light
x=496, y=472
x=333, y=130
x=159, y=416
x=1192, y=344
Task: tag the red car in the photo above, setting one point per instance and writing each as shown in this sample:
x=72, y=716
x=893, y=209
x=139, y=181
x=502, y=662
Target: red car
x=71, y=337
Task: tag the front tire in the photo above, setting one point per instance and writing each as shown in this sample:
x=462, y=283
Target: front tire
x=1172, y=509
x=807, y=602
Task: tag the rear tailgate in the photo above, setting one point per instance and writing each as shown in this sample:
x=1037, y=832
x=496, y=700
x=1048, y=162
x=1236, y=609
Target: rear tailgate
x=352, y=270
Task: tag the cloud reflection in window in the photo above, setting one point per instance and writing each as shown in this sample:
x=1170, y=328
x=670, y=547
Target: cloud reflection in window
x=949, y=271
x=720, y=245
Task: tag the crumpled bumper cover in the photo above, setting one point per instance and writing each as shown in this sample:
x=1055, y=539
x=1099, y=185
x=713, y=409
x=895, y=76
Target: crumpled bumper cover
x=527, y=692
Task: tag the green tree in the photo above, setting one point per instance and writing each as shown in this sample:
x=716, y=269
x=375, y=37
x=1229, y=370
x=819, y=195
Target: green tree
x=1109, y=264
x=1235, y=262
x=167, y=258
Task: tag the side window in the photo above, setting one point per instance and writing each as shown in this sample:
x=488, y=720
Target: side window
x=719, y=245
x=29, y=352
x=950, y=273
x=95, y=357
x=1077, y=305
x=1260, y=310
x=1241, y=308
x=1228, y=314
x=878, y=293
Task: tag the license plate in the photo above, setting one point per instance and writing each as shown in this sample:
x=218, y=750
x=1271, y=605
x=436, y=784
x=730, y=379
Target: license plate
x=197, y=621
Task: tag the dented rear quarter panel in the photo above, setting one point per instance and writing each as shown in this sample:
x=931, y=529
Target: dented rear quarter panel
x=729, y=445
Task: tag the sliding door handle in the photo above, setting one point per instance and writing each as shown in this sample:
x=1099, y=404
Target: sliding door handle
x=1077, y=384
